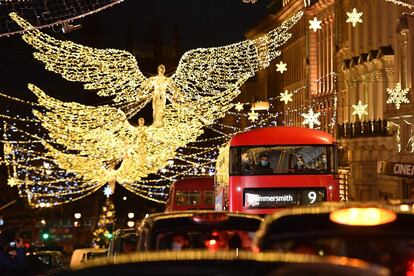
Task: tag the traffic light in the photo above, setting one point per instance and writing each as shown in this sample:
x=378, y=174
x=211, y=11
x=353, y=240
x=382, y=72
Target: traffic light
x=45, y=235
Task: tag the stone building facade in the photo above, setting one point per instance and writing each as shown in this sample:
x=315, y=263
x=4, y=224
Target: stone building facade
x=337, y=66
x=371, y=58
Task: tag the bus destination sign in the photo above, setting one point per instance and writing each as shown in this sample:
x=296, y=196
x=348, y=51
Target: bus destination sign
x=282, y=197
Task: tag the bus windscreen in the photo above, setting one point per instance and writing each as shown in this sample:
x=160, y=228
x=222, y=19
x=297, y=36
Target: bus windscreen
x=282, y=159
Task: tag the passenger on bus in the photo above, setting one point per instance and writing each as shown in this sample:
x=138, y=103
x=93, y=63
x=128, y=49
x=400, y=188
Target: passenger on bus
x=264, y=166
x=300, y=163
x=324, y=161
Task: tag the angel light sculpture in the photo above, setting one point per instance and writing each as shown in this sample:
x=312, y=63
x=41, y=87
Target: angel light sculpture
x=88, y=138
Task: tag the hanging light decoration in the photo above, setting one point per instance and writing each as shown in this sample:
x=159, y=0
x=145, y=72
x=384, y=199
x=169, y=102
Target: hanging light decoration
x=46, y=14
x=94, y=145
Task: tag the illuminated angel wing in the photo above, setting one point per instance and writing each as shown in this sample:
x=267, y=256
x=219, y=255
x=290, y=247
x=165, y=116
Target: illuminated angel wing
x=99, y=132
x=88, y=140
x=205, y=74
x=112, y=72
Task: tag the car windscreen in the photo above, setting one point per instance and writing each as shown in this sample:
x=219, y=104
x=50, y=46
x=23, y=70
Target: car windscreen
x=282, y=159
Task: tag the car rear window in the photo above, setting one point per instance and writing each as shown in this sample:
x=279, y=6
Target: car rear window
x=184, y=233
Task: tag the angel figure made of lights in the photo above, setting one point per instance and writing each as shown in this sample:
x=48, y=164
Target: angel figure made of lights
x=88, y=138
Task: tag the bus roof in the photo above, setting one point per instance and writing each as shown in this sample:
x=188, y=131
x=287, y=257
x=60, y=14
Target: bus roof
x=206, y=183
x=282, y=135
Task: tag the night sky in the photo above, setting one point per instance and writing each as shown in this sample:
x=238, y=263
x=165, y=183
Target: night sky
x=198, y=24
x=133, y=25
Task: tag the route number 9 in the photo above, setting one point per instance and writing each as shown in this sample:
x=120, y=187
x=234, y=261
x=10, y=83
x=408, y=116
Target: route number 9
x=312, y=197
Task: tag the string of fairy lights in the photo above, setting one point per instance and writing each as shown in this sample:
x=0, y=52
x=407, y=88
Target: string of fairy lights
x=76, y=149
x=49, y=14
x=401, y=3
x=191, y=160
x=67, y=150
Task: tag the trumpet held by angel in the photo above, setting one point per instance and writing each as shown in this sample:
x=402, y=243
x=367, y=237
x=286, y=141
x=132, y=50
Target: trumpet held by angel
x=200, y=91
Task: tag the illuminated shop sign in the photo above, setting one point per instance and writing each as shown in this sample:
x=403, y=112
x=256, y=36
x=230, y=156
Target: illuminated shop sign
x=395, y=169
x=285, y=197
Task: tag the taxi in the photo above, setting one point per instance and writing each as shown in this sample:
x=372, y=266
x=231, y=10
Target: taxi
x=379, y=233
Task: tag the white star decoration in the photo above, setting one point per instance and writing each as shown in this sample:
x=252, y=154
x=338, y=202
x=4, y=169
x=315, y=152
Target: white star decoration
x=315, y=24
x=238, y=106
x=311, y=118
x=281, y=67
x=108, y=191
x=354, y=17
x=253, y=116
x=286, y=97
x=397, y=95
x=360, y=109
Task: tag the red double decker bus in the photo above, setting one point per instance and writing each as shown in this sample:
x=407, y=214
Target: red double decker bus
x=191, y=194
x=265, y=169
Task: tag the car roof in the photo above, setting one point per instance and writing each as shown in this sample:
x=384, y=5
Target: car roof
x=191, y=213
x=314, y=220
x=180, y=219
x=92, y=249
x=221, y=258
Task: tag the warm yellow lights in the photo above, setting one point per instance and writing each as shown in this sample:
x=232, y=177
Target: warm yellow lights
x=263, y=105
x=369, y=216
x=401, y=3
x=253, y=116
x=311, y=118
x=286, y=97
x=315, y=24
x=354, y=17
x=360, y=109
x=397, y=95
x=281, y=67
x=97, y=144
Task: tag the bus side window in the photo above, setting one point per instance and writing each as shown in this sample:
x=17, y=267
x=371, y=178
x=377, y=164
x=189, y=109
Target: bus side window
x=194, y=198
x=208, y=197
x=181, y=198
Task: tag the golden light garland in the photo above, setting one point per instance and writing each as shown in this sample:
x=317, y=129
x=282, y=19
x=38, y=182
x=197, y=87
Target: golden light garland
x=401, y=3
x=89, y=142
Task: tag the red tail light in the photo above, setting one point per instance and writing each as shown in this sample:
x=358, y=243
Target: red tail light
x=410, y=268
x=206, y=218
